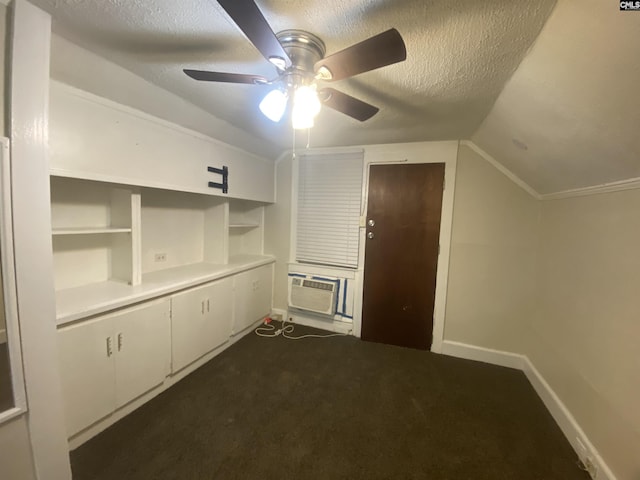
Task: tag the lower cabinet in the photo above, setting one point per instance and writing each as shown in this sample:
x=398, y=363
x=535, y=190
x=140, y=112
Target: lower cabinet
x=108, y=361
x=200, y=321
x=252, y=296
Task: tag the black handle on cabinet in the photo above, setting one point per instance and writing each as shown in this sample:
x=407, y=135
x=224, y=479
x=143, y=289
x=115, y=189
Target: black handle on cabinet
x=224, y=171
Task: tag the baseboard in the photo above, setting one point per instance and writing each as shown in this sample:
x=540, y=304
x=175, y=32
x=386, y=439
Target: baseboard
x=486, y=355
x=558, y=410
x=567, y=423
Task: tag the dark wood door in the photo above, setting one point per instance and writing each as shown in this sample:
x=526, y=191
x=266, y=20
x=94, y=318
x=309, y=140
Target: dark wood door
x=401, y=254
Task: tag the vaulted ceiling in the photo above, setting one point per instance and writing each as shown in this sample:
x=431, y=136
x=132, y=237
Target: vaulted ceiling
x=549, y=92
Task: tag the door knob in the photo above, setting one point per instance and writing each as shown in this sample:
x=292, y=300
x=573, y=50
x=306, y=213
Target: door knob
x=370, y=235
x=371, y=222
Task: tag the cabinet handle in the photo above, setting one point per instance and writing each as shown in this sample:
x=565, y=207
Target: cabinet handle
x=202, y=304
x=207, y=304
x=109, y=349
x=119, y=341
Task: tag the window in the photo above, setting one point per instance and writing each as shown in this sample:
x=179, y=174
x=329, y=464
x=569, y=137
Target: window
x=329, y=194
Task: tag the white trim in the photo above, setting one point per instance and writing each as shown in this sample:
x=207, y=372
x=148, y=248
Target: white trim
x=417, y=153
x=330, y=324
x=566, y=421
x=502, y=169
x=29, y=113
x=629, y=184
x=11, y=333
x=558, y=410
x=279, y=311
x=481, y=354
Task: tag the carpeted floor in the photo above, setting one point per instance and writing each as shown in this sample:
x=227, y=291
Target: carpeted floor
x=336, y=408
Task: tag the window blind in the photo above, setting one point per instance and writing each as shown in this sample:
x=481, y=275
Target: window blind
x=329, y=193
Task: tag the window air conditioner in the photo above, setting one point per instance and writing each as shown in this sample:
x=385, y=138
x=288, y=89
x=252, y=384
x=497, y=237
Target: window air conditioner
x=313, y=295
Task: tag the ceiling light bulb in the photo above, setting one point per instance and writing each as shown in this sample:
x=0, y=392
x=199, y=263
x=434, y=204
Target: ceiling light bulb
x=273, y=105
x=306, y=105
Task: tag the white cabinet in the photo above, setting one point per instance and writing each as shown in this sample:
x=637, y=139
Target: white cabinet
x=95, y=228
x=246, y=225
x=91, y=137
x=200, y=321
x=110, y=360
x=87, y=372
x=252, y=296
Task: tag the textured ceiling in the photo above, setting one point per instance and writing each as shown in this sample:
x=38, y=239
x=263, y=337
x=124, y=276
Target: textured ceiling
x=551, y=93
x=573, y=103
x=460, y=55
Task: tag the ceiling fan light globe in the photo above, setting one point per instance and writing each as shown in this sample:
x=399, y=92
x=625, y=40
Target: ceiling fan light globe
x=306, y=99
x=306, y=105
x=273, y=105
x=301, y=121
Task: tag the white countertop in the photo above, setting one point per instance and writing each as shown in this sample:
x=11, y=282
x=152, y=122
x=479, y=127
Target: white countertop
x=81, y=302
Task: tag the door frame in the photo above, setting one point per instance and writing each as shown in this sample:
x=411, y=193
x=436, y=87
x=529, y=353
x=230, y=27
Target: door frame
x=424, y=152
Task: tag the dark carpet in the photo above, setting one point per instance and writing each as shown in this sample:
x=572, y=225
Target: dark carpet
x=336, y=408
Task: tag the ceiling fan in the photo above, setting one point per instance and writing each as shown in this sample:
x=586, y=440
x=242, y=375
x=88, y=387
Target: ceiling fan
x=299, y=58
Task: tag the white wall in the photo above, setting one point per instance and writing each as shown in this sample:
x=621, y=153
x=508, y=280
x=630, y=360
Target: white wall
x=95, y=138
x=587, y=331
x=556, y=281
x=277, y=220
x=280, y=220
x=87, y=71
x=173, y=224
x=494, y=244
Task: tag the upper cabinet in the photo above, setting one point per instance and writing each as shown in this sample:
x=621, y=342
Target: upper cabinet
x=94, y=138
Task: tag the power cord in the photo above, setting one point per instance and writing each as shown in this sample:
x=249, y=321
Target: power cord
x=270, y=330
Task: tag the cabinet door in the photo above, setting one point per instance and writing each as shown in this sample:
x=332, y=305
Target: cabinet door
x=219, y=312
x=142, y=345
x=242, y=292
x=87, y=372
x=188, y=327
x=262, y=292
x=252, y=297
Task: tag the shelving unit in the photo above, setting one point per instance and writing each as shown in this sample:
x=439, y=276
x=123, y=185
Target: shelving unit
x=115, y=245
x=95, y=228
x=89, y=230
x=246, y=220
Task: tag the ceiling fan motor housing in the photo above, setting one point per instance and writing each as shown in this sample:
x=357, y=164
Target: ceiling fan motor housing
x=304, y=50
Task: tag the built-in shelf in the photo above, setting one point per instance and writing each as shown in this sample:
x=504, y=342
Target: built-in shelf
x=81, y=302
x=244, y=225
x=89, y=230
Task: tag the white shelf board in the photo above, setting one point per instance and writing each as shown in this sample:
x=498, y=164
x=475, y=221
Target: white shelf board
x=89, y=230
x=244, y=225
x=81, y=302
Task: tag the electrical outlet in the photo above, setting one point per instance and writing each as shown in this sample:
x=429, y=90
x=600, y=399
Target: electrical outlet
x=160, y=257
x=591, y=467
